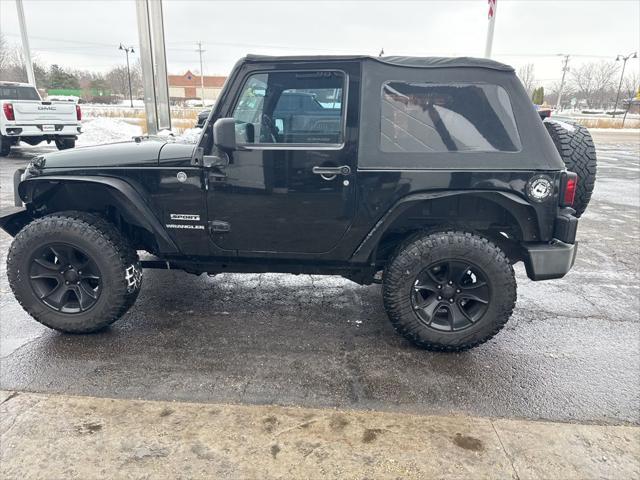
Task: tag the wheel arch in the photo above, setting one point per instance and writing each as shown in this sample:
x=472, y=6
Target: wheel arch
x=114, y=198
x=470, y=210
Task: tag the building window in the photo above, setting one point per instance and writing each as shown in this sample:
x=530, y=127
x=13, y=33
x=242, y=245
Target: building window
x=427, y=117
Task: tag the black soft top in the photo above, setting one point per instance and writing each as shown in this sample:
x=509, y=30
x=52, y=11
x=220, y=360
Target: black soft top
x=415, y=62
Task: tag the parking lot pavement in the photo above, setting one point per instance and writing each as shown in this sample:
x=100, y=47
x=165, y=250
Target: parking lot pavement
x=570, y=352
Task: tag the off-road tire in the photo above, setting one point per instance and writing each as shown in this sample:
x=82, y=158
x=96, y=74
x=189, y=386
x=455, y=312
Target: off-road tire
x=5, y=147
x=116, y=260
x=131, y=255
x=65, y=143
x=579, y=156
x=422, y=250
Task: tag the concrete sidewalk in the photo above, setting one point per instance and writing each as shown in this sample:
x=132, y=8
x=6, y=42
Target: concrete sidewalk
x=61, y=437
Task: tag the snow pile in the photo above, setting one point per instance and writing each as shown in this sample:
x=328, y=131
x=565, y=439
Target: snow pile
x=190, y=135
x=100, y=130
x=107, y=130
x=136, y=103
x=166, y=133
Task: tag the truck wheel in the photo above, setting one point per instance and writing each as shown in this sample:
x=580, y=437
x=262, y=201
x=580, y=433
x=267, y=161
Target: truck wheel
x=65, y=143
x=73, y=272
x=449, y=291
x=575, y=145
x=5, y=147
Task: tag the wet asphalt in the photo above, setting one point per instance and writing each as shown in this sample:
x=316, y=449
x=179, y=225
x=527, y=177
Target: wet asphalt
x=571, y=351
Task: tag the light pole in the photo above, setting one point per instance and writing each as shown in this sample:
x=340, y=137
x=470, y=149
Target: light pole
x=624, y=64
x=127, y=51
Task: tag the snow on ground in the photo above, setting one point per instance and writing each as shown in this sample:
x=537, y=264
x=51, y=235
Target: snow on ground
x=136, y=103
x=190, y=135
x=97, y=131
x=106, y=130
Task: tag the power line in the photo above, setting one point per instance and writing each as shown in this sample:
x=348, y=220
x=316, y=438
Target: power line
x=110, y=45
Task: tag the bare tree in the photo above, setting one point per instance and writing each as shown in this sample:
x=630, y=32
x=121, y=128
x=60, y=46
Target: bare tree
x=527, y=77
x=12, y=67
x=118, y=80
x=4, y=54
x=595, y=82
x=554, y=89
x=630, y=85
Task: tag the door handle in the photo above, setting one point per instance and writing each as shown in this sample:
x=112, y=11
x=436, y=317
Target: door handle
x=332, y=171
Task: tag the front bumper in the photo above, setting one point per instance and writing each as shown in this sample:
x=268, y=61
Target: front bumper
x=13, y=219
x=545, y=261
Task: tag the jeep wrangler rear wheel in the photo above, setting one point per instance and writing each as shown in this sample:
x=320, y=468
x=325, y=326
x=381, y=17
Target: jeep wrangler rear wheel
x=73, y=272
x=449, y=291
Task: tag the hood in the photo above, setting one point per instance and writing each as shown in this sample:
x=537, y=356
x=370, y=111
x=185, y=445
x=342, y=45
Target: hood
x=125, y=154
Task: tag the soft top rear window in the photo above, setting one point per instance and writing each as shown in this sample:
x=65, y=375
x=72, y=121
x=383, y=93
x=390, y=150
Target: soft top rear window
x=18, y=93
x=460, y=117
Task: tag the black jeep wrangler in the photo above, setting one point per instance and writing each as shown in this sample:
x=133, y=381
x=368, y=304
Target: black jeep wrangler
x=432, y=176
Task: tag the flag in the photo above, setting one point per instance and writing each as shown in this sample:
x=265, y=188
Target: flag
x=492, y=8
x=493, y=5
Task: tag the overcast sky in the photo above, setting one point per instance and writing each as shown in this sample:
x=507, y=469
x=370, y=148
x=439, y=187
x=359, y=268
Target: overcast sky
x=85, y=34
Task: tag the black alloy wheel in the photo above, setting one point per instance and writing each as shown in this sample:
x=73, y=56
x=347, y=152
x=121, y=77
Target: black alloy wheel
x=73, y=271
x=448, y=291
x=65, y=278
x=450, y=295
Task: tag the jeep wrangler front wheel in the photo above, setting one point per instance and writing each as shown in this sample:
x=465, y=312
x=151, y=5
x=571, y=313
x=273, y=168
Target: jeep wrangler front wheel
x=449, y=291
x=73, y=272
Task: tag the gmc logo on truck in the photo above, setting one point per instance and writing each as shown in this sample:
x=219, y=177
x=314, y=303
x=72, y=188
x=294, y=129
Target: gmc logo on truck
x=46, y=108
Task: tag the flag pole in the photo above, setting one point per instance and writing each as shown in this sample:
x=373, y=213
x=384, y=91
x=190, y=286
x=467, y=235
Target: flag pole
x=493, y=6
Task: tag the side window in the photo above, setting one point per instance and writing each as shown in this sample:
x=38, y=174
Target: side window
x=425, y=117
x=304, y=107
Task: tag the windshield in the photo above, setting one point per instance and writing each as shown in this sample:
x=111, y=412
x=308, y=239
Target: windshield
x=18, y=93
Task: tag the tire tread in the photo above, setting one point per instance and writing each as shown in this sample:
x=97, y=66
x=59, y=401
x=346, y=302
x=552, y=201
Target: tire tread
x=418, y=246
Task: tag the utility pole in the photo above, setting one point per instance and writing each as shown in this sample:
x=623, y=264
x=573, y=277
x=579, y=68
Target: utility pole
x=624, y=64
x=128, y=50
x=565, y=69
x=201, y=73
x=28, y=64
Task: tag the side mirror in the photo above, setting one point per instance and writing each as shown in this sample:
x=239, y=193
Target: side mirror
x=224, y=134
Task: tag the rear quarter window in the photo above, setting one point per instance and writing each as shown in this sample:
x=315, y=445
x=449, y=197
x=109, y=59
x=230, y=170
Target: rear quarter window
x=459, y=117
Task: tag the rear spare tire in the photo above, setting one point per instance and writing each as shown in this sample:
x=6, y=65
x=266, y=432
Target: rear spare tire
x=575, y=146
x=73, y=272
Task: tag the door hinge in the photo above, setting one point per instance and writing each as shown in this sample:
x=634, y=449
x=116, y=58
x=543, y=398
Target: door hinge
x=219, y=226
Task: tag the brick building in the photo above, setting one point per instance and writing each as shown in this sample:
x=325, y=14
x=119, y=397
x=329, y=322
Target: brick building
x=187, y=86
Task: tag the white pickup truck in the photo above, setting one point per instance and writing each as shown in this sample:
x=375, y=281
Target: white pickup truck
x=25, y=117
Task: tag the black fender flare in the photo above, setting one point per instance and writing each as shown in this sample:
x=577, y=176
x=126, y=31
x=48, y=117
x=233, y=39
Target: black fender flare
x=130, y=203
x=521, y=210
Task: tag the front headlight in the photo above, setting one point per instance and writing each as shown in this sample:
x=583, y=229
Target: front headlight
x=35, y=165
